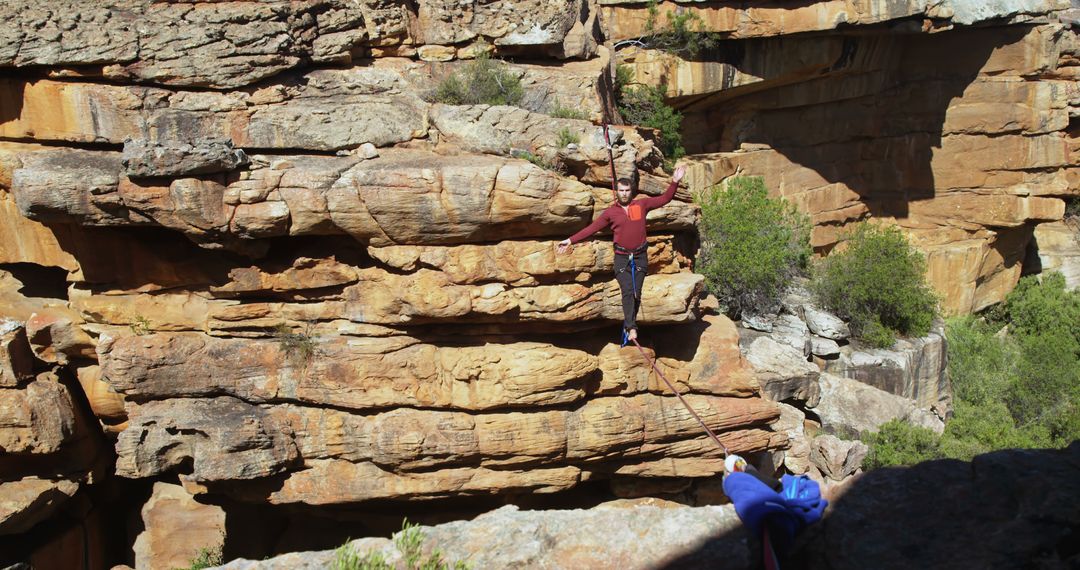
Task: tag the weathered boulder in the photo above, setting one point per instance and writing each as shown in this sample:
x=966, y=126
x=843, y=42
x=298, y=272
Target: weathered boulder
x=37, y=419
x=784, y=372
x=16, y=360
x=790, y=330
x=55, y=336
x=505, y=130
x=176, y=528
x=635, y=536
x=913, y=368
x=824, y=324
x=792, y=422
x=30, y=500
x=106, y=403
x=849, y=407
x=144, y=159
x=824, y=347
x=26, y=241
x=837, y=458
x=1058, y=245
x=1020, y=501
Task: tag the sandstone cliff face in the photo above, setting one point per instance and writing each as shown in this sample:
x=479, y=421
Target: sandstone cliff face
x=244, y=239
x=966, y=156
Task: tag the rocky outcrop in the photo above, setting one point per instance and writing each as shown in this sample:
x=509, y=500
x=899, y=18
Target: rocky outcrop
x=841, y=130
x=1025, y=494
x=635, y=535
x=241, y=244
x=1058, y=246
x=851, y=407
x=631, y=18
x=913, y=368
x=177, y=528
x=183, y=44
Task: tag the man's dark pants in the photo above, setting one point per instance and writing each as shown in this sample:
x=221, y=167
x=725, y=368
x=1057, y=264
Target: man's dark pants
x=631, y=284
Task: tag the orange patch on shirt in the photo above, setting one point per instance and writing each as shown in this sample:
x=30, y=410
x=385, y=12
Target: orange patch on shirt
x=634, y=212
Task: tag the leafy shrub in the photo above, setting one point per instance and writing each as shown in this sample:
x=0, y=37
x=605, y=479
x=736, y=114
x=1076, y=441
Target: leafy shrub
x=877, y=284
x=1015, y=390
x=481, y=81
x=560, y=112
x=206, y=558
x=554, y=165
x=1045, y=322
x=751, y=245
x=683, y=35
x=409, y=542
x=296, y=345
x=566, y=137
x=900, y=443
x=1037, y=307
x=140, y=326
x=644, y=105
x=982, y=366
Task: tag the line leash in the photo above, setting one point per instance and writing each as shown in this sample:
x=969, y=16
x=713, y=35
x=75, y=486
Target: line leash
x=681, y=399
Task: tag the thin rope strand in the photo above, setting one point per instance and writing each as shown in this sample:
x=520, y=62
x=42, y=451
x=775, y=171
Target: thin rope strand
x=683, y=400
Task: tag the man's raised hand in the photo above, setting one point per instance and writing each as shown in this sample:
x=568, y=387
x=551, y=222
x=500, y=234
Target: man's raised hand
x=563, y=246
x=679, y=173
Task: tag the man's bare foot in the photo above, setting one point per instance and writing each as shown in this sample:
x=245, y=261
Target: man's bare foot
x=631, y=335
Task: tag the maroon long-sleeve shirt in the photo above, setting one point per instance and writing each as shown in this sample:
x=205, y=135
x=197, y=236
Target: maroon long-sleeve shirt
x=628, y=224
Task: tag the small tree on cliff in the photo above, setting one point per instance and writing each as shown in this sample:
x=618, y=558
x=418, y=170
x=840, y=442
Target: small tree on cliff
x=751, y=245
x=877, y=283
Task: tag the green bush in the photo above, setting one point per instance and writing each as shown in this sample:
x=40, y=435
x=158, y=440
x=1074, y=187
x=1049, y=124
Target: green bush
x=206, y=558
x=409, y=542
x=566, y=137
x=751, y=245
x=684, y=35
x=877, y=284
x=560, y=112
x=1037, y=307
x=644, y=105
x=300, y=346
x=982, y=366
x=900, y=443
x=481, y=81
x=554, y=165
x=1015, y=390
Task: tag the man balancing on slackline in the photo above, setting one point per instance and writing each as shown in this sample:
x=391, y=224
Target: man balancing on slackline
x=627, y=220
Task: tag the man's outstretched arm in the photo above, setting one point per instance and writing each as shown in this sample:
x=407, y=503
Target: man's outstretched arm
x=598, y=224
x=662, y=200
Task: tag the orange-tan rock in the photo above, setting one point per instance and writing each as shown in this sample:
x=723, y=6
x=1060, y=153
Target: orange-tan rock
x=432, y=449
x=176, y=528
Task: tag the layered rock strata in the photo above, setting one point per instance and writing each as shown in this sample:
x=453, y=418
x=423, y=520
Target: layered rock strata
x=967, y=159
x=245, y=238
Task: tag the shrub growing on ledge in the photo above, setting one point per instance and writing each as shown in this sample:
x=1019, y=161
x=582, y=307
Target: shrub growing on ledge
x=877, y=284
x=644, y=105
x=751, y=245
x=684, y=35
x=483, y=81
